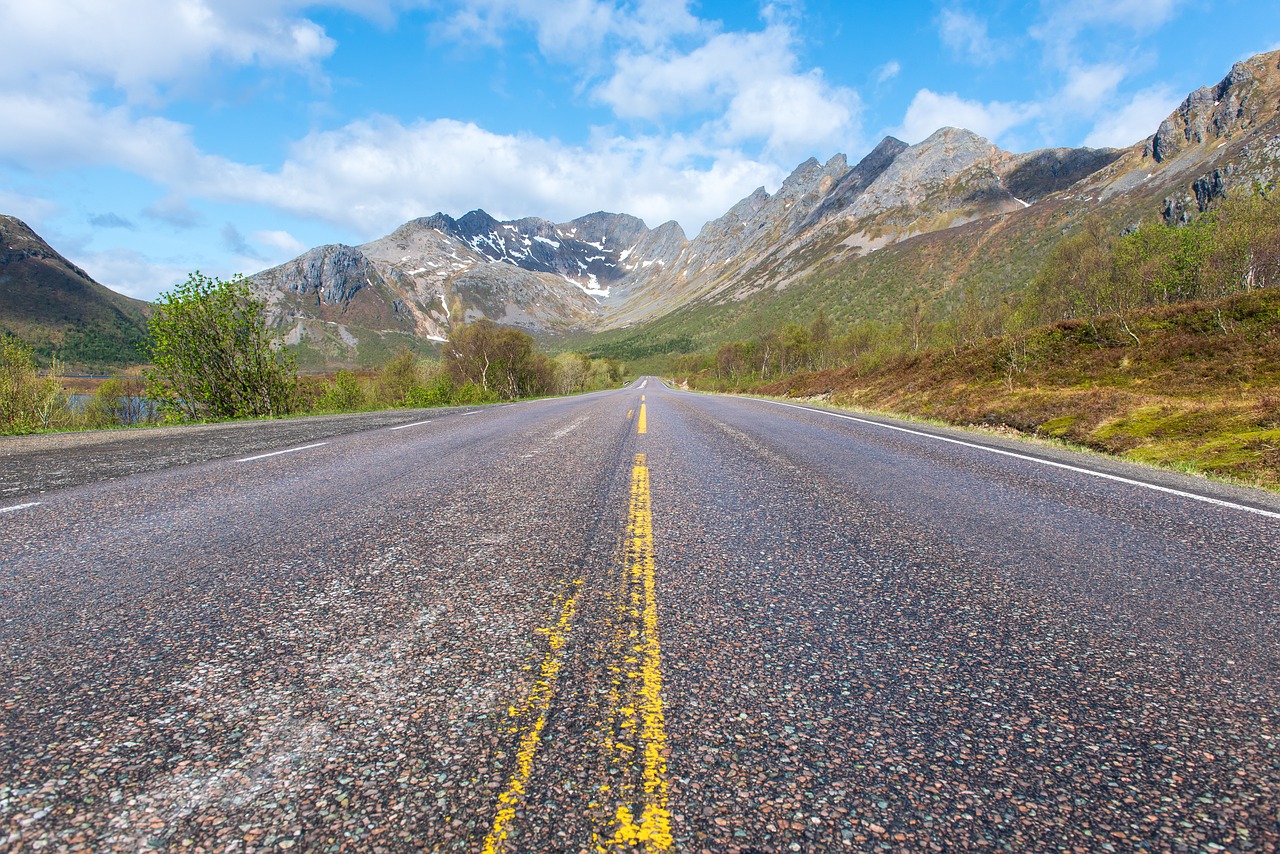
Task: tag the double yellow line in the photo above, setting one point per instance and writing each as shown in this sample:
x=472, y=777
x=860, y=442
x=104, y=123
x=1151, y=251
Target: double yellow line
x=635, y=737
x=642, y=425
x=642, y=817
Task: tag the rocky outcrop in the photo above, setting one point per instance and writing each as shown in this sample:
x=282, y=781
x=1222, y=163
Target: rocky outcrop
x=1208, y=114
x=856, y=181
x=1212, y=187
x=331, y=274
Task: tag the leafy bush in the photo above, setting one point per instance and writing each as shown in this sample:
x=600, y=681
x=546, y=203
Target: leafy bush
x=343, y=394
x=213, y=355
x=118, y=402
x=28, y=401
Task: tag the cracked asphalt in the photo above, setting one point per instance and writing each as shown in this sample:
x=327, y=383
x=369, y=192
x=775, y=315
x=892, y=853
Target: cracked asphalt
x=537, y=627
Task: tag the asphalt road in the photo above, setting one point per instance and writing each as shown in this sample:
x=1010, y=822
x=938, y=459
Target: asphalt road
x=640, y=620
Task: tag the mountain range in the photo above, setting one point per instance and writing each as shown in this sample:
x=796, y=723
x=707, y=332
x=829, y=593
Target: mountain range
x=916, y=221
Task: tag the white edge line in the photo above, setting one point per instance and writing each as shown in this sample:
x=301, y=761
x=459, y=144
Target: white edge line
x=472, y=412
x=415, y=424
x=1178, y=492
x=17, y=507
x=278, y=453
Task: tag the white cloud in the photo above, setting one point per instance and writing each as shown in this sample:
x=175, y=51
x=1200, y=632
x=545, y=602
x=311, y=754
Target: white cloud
x=930, y=111
x=888, y=71
x=1089, y=88
x=283, y=244
x=30, y=209
x=572, y=29
x=138, y=46
x=373, y=175
x=128, y=272
x=747, y=86
x=793, y=114
x=967, y=36
x=1066, y=20
x=1136, y=120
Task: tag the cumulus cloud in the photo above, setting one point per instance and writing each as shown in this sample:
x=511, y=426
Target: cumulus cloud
x=282, y=244
x=1136, y=120
x=930, y=110
x=129, y=272
x=138, y=46
x=375, y=174
x=750, y=86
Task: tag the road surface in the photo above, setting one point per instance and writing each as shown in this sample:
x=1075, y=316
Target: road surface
x=640, y=620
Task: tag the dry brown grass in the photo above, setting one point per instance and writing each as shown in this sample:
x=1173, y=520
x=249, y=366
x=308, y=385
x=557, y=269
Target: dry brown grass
x=1201, y=393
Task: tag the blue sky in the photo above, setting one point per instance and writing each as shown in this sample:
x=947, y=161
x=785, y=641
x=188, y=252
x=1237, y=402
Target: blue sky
x=148, y=138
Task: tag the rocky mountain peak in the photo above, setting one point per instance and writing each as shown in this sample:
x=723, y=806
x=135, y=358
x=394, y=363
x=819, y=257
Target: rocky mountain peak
x=331, y=274
x=1214, y=113
x=856, y=180
x=952, y=166
x=610, y=230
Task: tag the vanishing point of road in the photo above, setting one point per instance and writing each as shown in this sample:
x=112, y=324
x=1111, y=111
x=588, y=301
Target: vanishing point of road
x=638, y=620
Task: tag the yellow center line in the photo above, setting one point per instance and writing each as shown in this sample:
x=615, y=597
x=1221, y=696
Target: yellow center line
x=651, y=829
x=641, y=425
x=538, y=703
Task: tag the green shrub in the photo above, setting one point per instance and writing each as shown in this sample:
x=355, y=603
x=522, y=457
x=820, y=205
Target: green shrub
x=343, y=394
x=213, y=355
x=28, y=401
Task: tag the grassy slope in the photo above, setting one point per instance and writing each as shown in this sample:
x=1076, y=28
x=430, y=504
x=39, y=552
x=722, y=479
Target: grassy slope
x=55, y=307
x=996, y=258
x=1202, y=392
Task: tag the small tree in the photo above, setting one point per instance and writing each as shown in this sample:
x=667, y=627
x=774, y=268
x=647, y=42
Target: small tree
x=213, y=355
x=27, y=400
x=119, y=402
x=398, y=378
x=500, y=360
x=343, y=394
